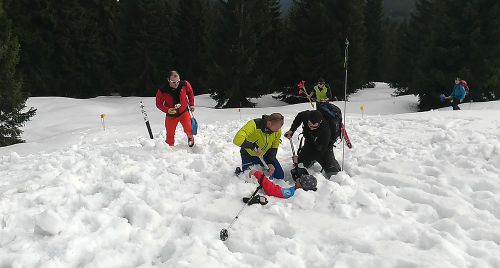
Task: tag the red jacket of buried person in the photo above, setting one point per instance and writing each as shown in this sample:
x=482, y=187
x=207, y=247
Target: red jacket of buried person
x=272, y=189
x=167, y=97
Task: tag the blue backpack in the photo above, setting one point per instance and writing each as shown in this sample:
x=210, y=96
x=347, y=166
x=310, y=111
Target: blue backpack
x=194, y=123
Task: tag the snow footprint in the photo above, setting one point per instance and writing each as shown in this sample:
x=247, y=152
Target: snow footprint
x=431, y=171
x=438, y=204
x=284, y=230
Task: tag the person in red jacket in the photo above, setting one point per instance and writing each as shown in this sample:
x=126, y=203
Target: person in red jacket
x=305, y=182
x=172, y=100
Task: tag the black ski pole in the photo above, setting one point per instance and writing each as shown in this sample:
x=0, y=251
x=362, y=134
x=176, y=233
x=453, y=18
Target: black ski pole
x=146, y=120
x=224, y=234
x=295, y=165
x=296, y=171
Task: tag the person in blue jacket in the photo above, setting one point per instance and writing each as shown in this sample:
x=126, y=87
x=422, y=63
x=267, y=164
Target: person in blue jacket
x=457, y=94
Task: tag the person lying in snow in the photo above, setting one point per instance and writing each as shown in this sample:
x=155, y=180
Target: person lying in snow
x=305, y=182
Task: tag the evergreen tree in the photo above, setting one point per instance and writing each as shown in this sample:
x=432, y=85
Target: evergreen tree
x=391, y=50
x=12, y=95
x=309, y=24
x=414, y=37
x=270, y=53
x=94, y=51
x=437, y=62
x=317, y=31
x=34, y=27
x=373, y=39
x=481, y=67
x=84, y=37
x=447, y=39
x=190, y=45
x=350, y=24
x=66, y=45
x=236, y=72
x=145, y=46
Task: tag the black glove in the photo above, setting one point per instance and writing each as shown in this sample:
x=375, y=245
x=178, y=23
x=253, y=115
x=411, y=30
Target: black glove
x=255, y=146
x=256, y=199
x=249, y=145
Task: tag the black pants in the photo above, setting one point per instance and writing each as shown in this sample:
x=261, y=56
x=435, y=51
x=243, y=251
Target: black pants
x=307, y=156
x=455, y=103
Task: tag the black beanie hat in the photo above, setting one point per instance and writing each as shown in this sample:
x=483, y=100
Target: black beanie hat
x=315, y=116
x=308, y=182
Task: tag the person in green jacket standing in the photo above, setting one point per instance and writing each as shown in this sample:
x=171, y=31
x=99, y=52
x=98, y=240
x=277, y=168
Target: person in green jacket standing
x=260, y=138
x=321, y=91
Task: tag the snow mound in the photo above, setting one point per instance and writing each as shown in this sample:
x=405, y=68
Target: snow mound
x=417, y=190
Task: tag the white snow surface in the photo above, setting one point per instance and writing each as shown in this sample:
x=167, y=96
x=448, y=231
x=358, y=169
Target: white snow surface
x=419, y=189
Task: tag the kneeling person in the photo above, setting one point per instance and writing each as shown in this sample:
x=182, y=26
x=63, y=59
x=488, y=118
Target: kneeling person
x=318, y=145
x=259, y=139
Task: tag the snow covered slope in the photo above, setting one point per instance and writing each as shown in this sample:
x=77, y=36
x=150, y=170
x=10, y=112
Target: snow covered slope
x=419, y=190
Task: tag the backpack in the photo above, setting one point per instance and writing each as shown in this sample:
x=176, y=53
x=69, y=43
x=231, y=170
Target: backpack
x=333, y=115
x=464, y=84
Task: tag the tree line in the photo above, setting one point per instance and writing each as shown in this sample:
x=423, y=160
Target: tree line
x=237, y=49
x=446, y=39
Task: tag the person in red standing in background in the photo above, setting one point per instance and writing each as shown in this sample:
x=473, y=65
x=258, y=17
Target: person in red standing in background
x=171, y=99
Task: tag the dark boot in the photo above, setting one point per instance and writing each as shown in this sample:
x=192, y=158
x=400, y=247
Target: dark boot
x=330, y=164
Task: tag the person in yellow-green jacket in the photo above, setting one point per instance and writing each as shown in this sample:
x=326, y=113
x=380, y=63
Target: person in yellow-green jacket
x=321, y=91
x=261, y=138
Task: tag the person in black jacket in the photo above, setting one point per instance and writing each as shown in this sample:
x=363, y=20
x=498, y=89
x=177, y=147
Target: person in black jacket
x=317, y=145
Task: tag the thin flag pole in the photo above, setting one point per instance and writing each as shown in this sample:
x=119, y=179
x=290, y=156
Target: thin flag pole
x=346, y=57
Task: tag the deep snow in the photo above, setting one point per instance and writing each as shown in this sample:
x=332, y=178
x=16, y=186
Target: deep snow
x=419, y=190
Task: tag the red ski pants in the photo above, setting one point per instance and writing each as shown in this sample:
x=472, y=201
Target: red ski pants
x=171, y=125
